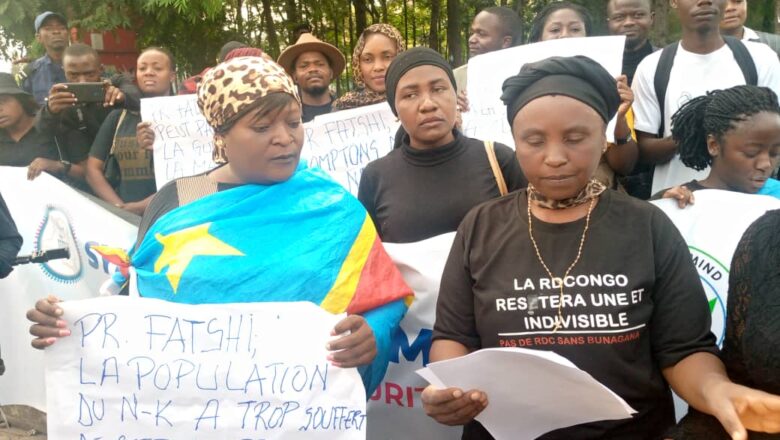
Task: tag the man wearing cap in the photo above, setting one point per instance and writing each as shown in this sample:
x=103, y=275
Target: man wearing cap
x=51, y=30
x=75, y=124
x=313, y=64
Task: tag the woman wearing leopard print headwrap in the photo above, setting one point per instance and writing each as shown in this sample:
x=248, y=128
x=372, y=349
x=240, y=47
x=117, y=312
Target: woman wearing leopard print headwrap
x=376, y=48
x=298, y=230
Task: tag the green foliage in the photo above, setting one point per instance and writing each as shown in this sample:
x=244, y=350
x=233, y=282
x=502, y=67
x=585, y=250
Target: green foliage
x=195, y=30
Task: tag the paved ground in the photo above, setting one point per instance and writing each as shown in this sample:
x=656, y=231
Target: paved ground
x=26, y=423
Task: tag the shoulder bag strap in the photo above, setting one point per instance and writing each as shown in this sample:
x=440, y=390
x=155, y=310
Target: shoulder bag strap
x=661, y=81
x=744, y=60
x=491, y=154
x=116, y=130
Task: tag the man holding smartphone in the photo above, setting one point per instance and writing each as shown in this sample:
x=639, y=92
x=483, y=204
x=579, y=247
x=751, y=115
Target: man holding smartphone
x=83, y=102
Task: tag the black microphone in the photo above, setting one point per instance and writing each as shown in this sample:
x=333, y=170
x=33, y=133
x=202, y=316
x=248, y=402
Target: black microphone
x=2, y=365
x=42, y=256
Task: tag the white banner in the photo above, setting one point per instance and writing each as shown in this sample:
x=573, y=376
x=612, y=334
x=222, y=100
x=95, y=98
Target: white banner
x=486, y=118
x=395, y=410
x=343, y=143
x=146, y=368
x=183, y=140
x=712, y=228
x=48, y=214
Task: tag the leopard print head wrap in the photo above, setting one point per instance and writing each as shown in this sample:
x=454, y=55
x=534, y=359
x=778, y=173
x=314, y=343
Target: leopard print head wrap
x=233, y=88
x=379, y=28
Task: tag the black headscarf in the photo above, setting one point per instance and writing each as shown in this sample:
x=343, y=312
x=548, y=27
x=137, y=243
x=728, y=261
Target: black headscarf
x=577, y=77
x=406, y=61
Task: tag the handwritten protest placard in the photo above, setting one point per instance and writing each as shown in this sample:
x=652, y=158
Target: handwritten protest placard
x=183, y=140
x=340, y=143
x=343, y=143
x=145, y=368
x=486, y=118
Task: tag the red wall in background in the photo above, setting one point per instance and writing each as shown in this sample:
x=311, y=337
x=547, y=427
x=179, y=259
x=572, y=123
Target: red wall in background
x=116, y=48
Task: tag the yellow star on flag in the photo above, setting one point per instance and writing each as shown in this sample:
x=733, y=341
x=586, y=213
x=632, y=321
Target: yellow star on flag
x=180, y=247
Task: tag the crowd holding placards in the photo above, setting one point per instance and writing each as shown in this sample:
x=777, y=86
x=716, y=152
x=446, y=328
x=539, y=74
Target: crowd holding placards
x=556, y=247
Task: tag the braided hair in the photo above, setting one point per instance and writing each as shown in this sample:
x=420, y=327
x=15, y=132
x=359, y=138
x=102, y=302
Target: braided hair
x=715, y=114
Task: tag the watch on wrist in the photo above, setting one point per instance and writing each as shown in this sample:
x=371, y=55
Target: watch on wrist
x=65, y=167
x=624, y=141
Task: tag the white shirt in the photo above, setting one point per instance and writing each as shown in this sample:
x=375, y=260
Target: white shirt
x=692, y=75
x=749, y=34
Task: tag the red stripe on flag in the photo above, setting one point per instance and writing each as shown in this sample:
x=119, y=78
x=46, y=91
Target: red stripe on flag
x=380, y=282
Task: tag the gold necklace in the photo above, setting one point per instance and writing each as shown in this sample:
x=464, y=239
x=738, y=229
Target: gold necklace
x=559, y=318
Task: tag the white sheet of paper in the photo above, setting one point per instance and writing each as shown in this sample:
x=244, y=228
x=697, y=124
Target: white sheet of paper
x=342, y=143
x=530, y=392
x=486, y=118
x=183, y=140
x=146, y=368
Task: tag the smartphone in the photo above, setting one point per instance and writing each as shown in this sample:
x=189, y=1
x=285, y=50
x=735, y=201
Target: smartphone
x=88, y=91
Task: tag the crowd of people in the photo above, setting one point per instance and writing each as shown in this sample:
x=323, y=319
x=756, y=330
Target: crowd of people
x=700, y=113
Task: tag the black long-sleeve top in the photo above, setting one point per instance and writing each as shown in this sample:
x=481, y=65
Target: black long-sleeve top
x=416, y=194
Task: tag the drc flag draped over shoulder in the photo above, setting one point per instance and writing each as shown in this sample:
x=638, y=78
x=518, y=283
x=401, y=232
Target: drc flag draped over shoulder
x=306, y=239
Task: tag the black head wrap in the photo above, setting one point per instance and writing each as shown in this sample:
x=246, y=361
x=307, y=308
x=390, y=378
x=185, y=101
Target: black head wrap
x=406, y=61
x=577, y=77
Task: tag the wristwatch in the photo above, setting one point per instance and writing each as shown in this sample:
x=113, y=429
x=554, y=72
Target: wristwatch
x=625, y=140
x=65, y=167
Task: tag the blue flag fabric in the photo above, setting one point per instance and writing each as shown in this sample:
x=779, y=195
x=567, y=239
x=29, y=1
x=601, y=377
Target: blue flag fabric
x=306, y=239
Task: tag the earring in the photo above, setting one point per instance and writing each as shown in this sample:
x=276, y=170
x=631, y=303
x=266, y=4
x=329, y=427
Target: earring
x=218, y=155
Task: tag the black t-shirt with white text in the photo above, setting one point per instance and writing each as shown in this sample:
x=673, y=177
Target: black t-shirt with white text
x=632, y=306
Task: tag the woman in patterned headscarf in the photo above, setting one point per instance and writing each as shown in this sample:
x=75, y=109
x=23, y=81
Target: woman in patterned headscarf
x=376, y=48
x=297, y=229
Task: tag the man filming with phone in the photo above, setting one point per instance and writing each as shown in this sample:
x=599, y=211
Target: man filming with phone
x=81, y=104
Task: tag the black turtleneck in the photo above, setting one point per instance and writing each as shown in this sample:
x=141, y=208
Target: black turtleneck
x=632, y=59
x=416, y=194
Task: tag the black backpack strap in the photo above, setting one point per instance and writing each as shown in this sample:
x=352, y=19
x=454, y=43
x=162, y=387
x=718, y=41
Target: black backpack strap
x=661, y=80
x=744, y=60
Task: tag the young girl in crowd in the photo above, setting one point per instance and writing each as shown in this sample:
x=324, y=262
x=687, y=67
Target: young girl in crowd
x=567, y=225
x=751, y=347
x=736, y=131
x=376, y=48
x=294, y=224
x=116, y=154
x=569, y=20
x=425, y=187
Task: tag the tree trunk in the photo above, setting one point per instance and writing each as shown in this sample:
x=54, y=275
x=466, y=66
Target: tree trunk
x=433, y=36
x=777, y=17
x=406, y=23
x=239, y=17
x=293, y=19
x=360, y=15
x=453, y=33
x=661, y=24
x=273, y=39
x=384, y=10
x=520, y=9
x=414, y=25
